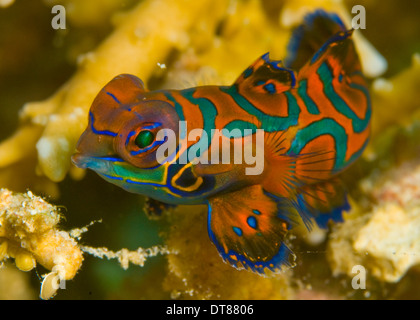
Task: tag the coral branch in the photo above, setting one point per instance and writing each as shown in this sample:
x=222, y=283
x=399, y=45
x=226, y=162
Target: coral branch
x=29, y=234
x=125, y=256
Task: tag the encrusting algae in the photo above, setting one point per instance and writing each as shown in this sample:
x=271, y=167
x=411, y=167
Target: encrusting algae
x=209, y=42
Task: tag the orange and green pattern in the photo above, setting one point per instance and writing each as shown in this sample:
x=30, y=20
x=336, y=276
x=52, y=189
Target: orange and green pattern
x=314, y=110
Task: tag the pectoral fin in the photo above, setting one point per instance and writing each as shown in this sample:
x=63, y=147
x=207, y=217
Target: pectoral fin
x=249, y=228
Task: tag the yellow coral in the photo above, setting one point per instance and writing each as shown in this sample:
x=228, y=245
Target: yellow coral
x=28, y=233
x=396, y=97
x=144, y=38
x=386, y=240
x=84, y=13
x=6, y=3
x=125, y=256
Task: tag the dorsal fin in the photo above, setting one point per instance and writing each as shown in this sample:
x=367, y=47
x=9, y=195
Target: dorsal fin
x=317, y=28
x=266, y=76
x=340, y=54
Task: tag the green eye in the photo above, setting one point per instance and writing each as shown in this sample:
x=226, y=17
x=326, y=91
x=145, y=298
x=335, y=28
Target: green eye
x=144, y=139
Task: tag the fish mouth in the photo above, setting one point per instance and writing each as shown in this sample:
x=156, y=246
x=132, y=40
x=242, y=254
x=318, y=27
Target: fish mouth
x=89, y=162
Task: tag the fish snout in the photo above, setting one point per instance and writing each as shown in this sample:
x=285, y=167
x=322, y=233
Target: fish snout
x=79, y=160
x=98, y=164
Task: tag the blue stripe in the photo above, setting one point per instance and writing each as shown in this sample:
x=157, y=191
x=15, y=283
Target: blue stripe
x=101, y=132
x=112, y=177
x=132, y=133
x=275, y=65
x=113, y=97
x=113, y=159
x=152, y=126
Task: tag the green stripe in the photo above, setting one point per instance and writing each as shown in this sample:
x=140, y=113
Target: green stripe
x=208, y=111
x=316, y=129
x=366, y=93
x=138, y=174
x=242, y=126
x=303, y=93
x=326, y=77
x=268, y=123
x=180, y=111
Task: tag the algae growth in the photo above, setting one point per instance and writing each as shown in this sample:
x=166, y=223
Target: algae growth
x=48, y=79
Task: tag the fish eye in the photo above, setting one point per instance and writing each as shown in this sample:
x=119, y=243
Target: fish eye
x=144, y=139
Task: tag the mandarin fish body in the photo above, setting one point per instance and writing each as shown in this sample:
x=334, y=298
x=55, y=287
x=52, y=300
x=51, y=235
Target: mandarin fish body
x=304, y=121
